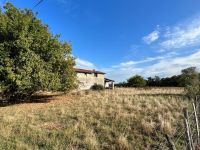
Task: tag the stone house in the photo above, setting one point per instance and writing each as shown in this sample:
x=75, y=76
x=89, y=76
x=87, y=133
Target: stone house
x=87, y=78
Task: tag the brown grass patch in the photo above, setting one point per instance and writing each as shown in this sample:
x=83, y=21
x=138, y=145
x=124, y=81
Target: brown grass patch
x=120, y=119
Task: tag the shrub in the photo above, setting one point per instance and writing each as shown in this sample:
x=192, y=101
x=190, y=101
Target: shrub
x=136, y=81
x=190, y=80
x=32, y=58
x=97, y=87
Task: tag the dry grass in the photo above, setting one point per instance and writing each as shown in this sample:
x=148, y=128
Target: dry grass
x=118, y=119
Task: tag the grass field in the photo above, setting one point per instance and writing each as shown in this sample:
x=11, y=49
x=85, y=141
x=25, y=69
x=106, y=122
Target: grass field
x=118, y=119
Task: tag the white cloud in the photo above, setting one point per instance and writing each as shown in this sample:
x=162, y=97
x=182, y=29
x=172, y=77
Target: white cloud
x=148, y=59
x=121, y=74
x=166, y=65
x=128, y=63
x=84, y=64
x=152, y=37
x=182, y=35
x=172, y=66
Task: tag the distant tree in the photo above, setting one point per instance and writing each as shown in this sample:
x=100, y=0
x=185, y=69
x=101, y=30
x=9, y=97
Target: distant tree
x=173, y=81
x=157, y=80
x=150, y=81
x=121, y=84
x=31, y=57
x=153, y=81
x=136, y=81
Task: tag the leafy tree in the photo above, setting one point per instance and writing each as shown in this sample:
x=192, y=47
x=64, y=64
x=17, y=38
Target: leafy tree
x=173, y=81
x=150, y=81
x=156, y=81
x=136, y=81
x=121, y=84
x=32, y=58
x=190, y=79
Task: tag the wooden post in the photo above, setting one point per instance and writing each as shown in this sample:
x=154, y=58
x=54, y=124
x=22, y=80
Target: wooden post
x=198, y=106
x=113, y=85
x=187, y=131
x=170, y=143
x=196, y=121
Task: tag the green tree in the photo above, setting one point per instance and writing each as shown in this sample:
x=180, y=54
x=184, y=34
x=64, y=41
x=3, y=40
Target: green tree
x=31, y=57
x=190, y=80
x=136, y=81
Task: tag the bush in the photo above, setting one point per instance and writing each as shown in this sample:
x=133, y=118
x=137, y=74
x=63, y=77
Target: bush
x=32, y=58
x=190, y=80
x=97, y=87
x=136, y=81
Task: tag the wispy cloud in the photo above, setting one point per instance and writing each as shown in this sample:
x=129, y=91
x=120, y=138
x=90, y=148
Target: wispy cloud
x=121, y=74
x=146, y=60
x=172, y=66
x=124, y=70
x=182, y=35
x=84, y=64
x=163, y=66
x=152, y=37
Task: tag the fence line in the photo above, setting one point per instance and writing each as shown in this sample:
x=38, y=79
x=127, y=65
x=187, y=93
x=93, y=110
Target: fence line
x=190, y=134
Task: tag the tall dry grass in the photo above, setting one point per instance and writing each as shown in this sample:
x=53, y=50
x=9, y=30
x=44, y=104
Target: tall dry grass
x=118, y=119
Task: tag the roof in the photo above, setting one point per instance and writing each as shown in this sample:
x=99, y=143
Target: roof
x=109, y=80
x=88, y=71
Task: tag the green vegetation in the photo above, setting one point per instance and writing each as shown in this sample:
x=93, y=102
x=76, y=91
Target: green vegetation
x=189, y=78
x=124, y=119
x=136, y=81
x=97, y=87
x=31, y=57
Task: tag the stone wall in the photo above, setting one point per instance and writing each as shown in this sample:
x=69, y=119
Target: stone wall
x=86, y=80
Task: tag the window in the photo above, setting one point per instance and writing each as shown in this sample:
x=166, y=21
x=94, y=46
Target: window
x=96, y=75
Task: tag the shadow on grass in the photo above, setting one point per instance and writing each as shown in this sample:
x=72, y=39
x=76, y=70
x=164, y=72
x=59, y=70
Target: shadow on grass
x=32, y=99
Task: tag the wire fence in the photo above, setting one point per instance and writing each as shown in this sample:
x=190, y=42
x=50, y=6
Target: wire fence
x=188, y=135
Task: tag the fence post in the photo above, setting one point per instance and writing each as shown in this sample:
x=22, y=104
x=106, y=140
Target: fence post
x=198, y=106
x=196, y=121
x=170, y=143
x=187, y=131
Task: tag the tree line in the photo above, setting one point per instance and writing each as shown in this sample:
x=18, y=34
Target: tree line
x=189, y=79
x=181, y=80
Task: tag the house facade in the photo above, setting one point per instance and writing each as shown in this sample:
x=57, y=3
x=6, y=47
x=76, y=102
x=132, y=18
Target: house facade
x=87, y=78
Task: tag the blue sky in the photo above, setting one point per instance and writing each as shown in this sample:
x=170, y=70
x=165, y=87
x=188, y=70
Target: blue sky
x=126, y=37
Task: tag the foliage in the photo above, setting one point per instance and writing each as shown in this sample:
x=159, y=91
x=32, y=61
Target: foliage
x=191, y=82
x=136, y=81
x=121, y=84
x=154, y=81
x=97, y=87
x=173, y=81
x=31, y=58
x=190, y=79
